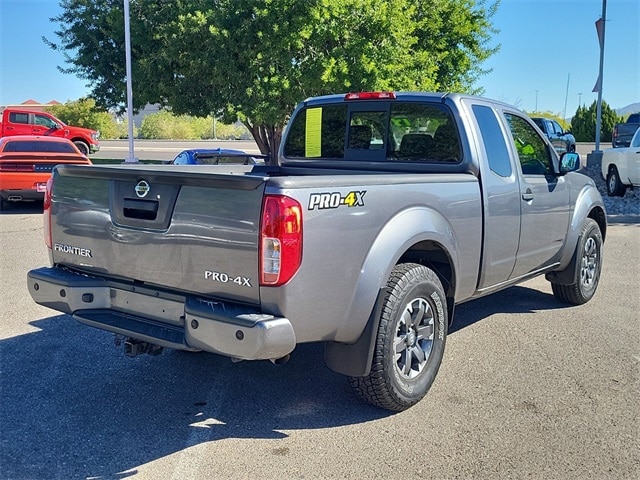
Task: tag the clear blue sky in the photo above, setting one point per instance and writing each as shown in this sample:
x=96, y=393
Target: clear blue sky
x=544, y=44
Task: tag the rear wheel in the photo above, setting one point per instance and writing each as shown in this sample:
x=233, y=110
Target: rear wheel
x=615, y=188
x=82, y=146
x=588, y=266
x=410, y=341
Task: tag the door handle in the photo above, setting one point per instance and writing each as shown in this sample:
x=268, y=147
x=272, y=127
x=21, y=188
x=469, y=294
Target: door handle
x=527, y=195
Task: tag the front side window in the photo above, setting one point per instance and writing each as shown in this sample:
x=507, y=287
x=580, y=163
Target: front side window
x=375, y=131
x=44, y=121
x=533, y=153
x=557, y=128
x=181, y=159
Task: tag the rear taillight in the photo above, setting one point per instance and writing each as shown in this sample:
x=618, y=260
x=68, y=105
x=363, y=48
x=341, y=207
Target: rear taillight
x=280, y=240
x=16, y=167
x=46, y=214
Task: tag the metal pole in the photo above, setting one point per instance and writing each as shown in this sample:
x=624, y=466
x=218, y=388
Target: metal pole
x=127, y=44
x=599, y=104
x=566, y=96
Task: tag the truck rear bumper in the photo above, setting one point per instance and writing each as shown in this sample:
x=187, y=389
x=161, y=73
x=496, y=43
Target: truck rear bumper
x=170, y=320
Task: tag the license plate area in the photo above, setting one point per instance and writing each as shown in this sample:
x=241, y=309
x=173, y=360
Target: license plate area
x=148, y=306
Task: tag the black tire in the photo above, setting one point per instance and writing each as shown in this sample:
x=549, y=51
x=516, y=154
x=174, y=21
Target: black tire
x=410, y=341
x=615, y=188
x=82, y=146
x=588, y=262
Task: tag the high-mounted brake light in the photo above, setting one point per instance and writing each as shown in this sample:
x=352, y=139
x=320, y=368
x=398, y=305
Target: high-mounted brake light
x=280, y=240
x=370, y=96
x=46, y=213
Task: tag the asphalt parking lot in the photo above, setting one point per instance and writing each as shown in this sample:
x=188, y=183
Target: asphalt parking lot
x=529, y=388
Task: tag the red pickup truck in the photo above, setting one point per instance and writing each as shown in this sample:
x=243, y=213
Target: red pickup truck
x=26, y=122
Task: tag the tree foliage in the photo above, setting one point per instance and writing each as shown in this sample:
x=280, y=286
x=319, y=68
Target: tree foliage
x=583, y=123
x=256, y=59
x=165, y=125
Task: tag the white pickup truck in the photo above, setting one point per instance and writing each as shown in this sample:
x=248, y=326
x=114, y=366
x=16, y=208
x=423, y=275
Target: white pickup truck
x=621, y=167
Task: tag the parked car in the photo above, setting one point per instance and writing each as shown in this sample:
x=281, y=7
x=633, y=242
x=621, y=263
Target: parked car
x=622, y=132
x=26, y=163
x=26, y=122
x=562, y=141
x=621, y=167
x=217, y=156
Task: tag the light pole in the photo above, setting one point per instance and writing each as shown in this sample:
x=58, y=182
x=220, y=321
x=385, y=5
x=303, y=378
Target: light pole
x=537, y=101
x=603, y=22
x=127, y=45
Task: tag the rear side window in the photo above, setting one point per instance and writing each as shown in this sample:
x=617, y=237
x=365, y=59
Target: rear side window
x=15, y=117
x=38, y=146
x=493, y=140
x=375, y=131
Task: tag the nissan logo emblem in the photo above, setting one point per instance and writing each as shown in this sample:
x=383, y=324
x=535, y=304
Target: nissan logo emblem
x=142, y=188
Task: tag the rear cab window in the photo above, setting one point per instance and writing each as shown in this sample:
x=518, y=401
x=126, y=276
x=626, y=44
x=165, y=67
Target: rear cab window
x=375, y=131
x=39, y=146
x=18, y=117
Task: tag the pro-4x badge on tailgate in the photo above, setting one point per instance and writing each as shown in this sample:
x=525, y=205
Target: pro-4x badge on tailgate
x=322, y=201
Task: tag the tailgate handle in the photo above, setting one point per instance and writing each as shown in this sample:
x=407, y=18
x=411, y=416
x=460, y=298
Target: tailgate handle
x=140, y=209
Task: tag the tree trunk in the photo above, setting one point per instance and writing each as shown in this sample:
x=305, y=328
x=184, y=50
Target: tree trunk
x=268, y=138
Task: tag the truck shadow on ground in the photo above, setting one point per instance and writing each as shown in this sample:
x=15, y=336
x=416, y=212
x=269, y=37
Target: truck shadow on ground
x=20, y=208
x=73, y=406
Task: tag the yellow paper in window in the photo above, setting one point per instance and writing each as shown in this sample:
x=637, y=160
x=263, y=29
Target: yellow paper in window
x=313, y=132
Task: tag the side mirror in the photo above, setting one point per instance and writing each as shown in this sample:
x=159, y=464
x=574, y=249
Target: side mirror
x=569, y=162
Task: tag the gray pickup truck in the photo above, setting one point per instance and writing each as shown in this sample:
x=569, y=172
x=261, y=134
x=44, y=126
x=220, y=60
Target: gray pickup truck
x=562, y=141
x=383, y=211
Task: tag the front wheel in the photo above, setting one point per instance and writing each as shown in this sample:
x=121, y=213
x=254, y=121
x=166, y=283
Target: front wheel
x=615, y=188
x=82, y=146
x=589, y=265
x=410, y=341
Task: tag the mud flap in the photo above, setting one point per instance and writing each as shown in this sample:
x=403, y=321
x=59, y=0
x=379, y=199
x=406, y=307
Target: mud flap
x=354, y=359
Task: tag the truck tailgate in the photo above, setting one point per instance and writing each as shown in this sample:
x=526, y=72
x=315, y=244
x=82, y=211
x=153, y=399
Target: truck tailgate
x=189, y=229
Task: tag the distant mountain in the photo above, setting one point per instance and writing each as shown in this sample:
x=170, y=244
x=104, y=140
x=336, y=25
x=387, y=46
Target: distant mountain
x=633, y=108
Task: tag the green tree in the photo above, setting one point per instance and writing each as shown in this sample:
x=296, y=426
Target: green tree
x=583, y=123
x=254, y=60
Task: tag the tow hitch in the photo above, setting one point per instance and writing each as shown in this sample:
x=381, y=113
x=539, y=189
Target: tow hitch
x=134, y=347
